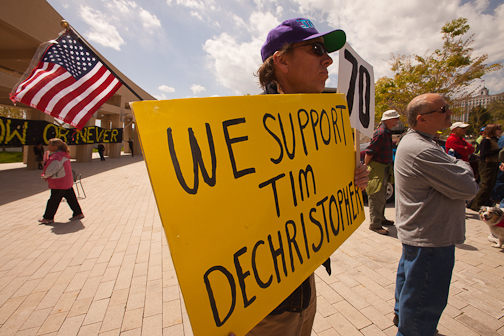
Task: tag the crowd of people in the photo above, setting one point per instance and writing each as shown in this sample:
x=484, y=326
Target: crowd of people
x=484, y=160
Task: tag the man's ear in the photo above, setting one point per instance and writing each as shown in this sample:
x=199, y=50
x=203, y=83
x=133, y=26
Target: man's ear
x=281, y=62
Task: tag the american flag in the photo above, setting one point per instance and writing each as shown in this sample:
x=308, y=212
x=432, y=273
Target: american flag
x=69, y=82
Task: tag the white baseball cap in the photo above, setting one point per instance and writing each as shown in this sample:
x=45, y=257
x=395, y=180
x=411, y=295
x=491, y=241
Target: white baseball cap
x=390, y=114
x=458, y=124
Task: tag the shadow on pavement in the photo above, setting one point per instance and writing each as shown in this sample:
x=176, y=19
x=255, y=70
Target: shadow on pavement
x=20, y=183
x=60, y=228
x=466, y=247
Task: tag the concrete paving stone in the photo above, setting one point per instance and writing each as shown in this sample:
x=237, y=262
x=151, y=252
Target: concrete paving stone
x=320, y=324
x=113, y=318
x=328, y=292
x=65, y=302
x=172, y=313
x=115, y=332
x=171, y=293
x=134, y=332
x=482, y=318
x=351, y=314
x=454, y=327
x=80, y=307
x=112, y=273
x=96, y=311
x=153, y=325
x=119, y=297
x=372, y=330
x=15, y=321
x=71, y=326
x=52, y=323
x=324, y=308
x=90, y=287
x=377, y=317
x=176, y=330
x=352, y=297
x=342, y=325
x=132, y=319
x=328, y=332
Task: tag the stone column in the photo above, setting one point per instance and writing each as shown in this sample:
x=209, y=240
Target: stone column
x=28, y=154
x=84, y=153
x=115, y=148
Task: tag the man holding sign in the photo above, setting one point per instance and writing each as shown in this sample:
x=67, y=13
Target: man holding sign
x=295, y=60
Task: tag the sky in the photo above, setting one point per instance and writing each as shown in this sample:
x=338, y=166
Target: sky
x=203, y=48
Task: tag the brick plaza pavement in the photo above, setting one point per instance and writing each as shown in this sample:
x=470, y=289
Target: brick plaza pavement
x=111, y=273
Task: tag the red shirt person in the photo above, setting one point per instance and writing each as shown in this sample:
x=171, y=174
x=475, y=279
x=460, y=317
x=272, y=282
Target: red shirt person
x=462, y=149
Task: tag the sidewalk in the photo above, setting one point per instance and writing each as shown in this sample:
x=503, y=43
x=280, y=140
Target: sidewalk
x=111, y=273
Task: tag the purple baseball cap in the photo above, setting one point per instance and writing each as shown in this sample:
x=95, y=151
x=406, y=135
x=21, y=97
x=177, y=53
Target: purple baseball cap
x=297, y=30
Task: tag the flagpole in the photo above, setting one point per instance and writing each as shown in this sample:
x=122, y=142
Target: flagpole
x=69, y=29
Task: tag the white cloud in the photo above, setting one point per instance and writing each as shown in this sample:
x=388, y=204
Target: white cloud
x=129, y=12
x=149, y=20
x=195, y=4
x=102, y=31
x=377, y=28
x=166, y=88
x=196, y=89
x=196, y=15
x=124, y=6
x=234, y=63
x=160, y=97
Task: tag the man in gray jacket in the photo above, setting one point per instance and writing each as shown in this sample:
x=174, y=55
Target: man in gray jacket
x=431, y=189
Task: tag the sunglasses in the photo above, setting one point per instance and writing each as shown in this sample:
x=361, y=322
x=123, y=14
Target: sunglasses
x=318, y=48
x=443, y=109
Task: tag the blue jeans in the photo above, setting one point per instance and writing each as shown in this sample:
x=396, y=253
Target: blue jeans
x=422, y=285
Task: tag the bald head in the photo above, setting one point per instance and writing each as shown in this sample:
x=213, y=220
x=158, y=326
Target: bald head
x=425, y=113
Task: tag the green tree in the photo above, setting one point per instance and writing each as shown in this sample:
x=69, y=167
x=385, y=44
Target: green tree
x=478, y=117
x=496, y=109
x=449, y=71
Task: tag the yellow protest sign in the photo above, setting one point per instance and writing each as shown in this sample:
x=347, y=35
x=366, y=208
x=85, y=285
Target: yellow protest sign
x=254, y=193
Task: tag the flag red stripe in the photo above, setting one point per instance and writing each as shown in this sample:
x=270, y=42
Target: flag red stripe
x=52, y=88
x=95, y=108
x=84, y=102
x=53, y=91
x=76, y=93
x=30, y=86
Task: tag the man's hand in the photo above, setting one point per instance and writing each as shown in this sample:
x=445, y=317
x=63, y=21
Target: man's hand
x=361, y=177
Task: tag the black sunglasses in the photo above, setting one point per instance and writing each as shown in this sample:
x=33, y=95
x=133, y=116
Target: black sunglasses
x=318, y=48
x=443, y=109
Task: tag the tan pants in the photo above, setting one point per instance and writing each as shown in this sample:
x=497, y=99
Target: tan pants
x=289, y=324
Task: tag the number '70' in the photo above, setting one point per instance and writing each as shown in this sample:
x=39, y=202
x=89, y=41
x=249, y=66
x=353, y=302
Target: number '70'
x=364, y=113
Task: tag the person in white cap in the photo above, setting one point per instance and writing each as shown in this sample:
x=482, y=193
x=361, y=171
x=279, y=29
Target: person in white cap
x=456, y=145
x=379, y=159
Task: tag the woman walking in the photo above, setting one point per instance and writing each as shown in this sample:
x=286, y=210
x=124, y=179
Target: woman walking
x=58, y=173
x=488, y=165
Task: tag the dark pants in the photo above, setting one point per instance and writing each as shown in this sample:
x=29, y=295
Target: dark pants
x=55, y=199
x=488, y=177
x=102, y=158
x=422, y=286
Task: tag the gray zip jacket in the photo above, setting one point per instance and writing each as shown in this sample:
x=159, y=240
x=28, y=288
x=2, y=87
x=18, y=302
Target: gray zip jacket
x=431, y=190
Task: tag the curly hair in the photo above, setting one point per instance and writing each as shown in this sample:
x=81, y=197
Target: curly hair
x=491, y=130
x=266, y=71
x=59, y=144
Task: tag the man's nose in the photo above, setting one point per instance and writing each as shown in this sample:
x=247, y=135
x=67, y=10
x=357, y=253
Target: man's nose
x=327, y=60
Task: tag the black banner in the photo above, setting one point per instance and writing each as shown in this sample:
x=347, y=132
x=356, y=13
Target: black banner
x=19, y=132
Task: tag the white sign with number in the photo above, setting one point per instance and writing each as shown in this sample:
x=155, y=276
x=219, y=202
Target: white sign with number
x=356, y=81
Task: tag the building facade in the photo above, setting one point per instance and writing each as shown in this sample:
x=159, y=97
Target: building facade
x=483, y=99
x=24, y=25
